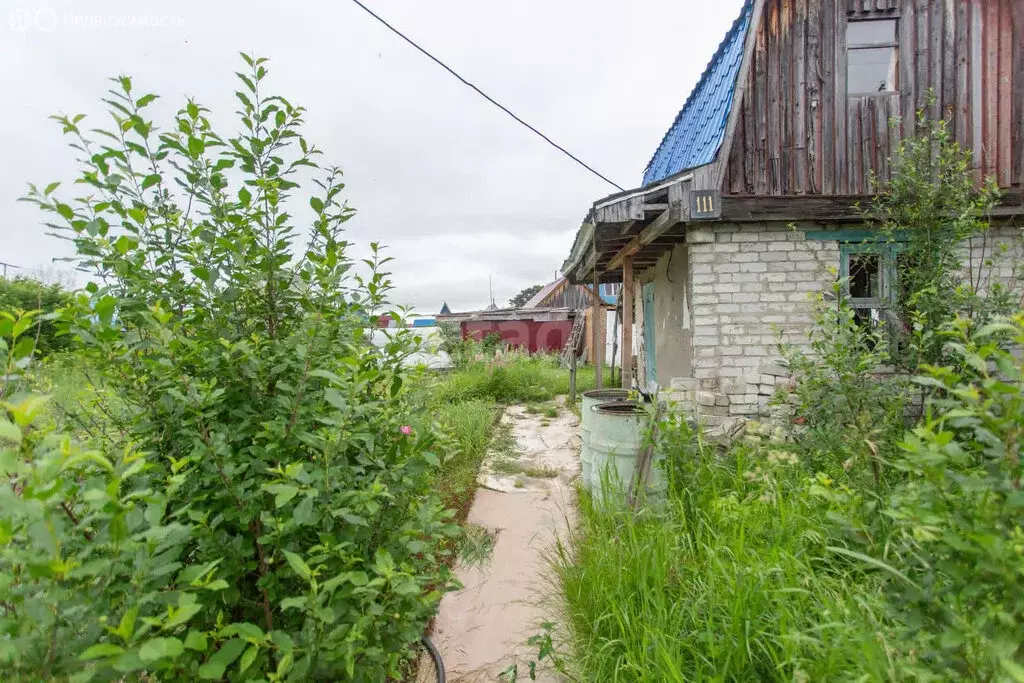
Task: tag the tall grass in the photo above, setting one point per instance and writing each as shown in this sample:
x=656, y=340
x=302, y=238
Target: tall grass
x=467, y=426
x=513, y=378
x=731, y=581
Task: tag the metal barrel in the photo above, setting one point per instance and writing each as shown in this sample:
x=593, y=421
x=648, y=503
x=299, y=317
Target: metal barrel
x=617, y=432
x=590, y=399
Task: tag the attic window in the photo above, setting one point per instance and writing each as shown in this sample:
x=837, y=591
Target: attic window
x=871, y=56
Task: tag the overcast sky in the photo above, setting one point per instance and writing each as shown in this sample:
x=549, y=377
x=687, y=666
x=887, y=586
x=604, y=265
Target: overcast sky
x=457, y=190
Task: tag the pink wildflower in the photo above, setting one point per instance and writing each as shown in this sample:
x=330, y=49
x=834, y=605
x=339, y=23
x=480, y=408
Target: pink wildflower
x=406, y=429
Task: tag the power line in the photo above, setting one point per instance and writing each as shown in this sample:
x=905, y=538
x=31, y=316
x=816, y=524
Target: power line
x=487, y=97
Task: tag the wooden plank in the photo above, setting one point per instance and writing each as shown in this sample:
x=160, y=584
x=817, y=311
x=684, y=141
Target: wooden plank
x=654, y=230
x=990, y=87
x=740, y=100
x=800, y=182
x=977, y=97
x=773, y=95
x=866, y=124
x=1017, y=11
x=908, y=105
x=785, y=60
x=921, y=61
x=829, y=61
x=1005, y=116
x=853, y=145
x=949, y=61
x=961, y=116
x=935, y=53
x=627, y=323
x=883, y=146
x=835, y=208
x=841, y=104
x=760, y=137
x=597, y=320
x=812, y=80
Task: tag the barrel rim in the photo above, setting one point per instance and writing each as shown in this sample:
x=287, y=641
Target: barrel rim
x=605, y=393
x=619, y=408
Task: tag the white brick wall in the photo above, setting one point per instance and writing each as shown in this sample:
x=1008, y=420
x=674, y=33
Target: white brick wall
x=752, y=288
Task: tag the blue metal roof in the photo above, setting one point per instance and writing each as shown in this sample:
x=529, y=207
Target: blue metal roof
x=695, y=136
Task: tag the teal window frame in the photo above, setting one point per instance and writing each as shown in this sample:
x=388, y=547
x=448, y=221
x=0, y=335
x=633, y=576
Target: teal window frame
x=887, y=252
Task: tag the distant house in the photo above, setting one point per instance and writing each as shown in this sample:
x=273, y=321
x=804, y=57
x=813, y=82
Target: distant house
x=786, y=126
x=537, y=330
x=562, y=293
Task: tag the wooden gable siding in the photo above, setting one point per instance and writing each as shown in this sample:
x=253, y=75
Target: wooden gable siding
x=798, y=132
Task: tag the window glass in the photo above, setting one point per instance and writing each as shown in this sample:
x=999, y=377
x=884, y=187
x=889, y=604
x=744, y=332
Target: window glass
x=865, y=276
x=871, y=56
x=865, y=33
x=870, y=70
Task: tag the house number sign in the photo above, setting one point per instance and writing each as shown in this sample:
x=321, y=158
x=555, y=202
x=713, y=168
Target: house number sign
x=705, y=205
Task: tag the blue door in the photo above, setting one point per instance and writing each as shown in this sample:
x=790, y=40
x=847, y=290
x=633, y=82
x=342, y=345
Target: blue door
x=652, y=374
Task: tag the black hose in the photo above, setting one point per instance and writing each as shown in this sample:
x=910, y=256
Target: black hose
x=436, y=656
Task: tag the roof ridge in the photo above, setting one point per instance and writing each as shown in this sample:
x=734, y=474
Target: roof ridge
x=722, y=47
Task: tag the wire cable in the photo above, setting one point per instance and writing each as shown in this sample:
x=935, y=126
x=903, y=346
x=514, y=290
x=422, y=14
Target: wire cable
x=487, y=97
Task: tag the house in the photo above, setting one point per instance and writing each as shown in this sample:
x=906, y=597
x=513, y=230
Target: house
x=537, y=330
x=757, y=181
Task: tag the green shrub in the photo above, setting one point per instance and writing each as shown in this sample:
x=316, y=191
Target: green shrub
x=281, y=524
x=26, y=294
x=958, y=516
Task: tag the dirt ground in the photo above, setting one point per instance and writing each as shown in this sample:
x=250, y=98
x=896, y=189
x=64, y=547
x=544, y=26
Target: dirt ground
x=483, y=628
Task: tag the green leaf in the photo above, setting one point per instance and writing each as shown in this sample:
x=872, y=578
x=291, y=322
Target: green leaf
x=195, y=641
x=9, y=431
x=127, y=626
x=1015, y=670
x=303, y=512
x=182, y=615
x=124, y=244
x=244, y=197
x=317, y=204
x=65, y=211
x=283, y=493
x=298, y=565
x=215, y=667
x=196, y=147
x=158, y=648
x=50, y=188
x=101, y=650
x=105, y=309
x=248, y=658
x=150, y=180
x=247, y=631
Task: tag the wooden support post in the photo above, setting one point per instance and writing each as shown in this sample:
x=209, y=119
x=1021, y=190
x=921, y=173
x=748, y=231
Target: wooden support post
x=597, y=319
x=627, y=323
x=572, y=379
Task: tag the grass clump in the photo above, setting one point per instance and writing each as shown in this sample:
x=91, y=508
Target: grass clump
x=468, y=426
x=732, y=581
x=511, y=378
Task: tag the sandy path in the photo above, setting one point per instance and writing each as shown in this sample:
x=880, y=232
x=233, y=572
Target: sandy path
x=483, y=628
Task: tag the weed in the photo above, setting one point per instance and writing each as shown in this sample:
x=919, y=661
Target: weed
x=551, y=411
x=476, y=546
x=541, y=472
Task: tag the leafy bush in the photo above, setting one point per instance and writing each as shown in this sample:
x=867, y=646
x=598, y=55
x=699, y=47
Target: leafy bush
x=272, y=516
x=958, y=515
x=26, y=294
x=851, y=410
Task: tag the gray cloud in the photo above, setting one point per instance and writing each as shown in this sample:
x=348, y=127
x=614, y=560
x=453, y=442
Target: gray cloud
x=457, y=190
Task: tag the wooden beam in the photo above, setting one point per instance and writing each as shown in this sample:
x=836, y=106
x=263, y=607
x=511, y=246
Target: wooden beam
x=597, y=323
x=654, y=230
x=627, y=323
x=837, y=208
